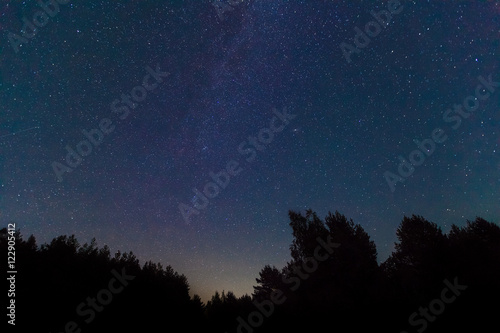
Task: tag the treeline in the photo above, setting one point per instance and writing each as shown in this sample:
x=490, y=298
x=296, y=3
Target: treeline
x=432, y=282
x=67, y=287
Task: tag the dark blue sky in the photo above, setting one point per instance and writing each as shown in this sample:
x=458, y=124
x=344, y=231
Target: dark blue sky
x=182, y=91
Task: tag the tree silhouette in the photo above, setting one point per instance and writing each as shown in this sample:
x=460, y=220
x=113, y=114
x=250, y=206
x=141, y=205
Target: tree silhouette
x=332, y=281
x=56, y=277
x=420, y=260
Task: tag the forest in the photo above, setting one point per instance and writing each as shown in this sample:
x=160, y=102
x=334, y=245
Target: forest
x=432, y=282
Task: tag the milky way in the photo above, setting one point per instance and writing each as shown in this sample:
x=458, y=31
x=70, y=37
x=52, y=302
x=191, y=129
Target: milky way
x=363, y=99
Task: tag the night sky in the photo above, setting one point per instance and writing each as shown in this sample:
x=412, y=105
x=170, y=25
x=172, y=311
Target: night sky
x=203, y=125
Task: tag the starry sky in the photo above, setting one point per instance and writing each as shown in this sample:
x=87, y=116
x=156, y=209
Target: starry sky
x=288, y=105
